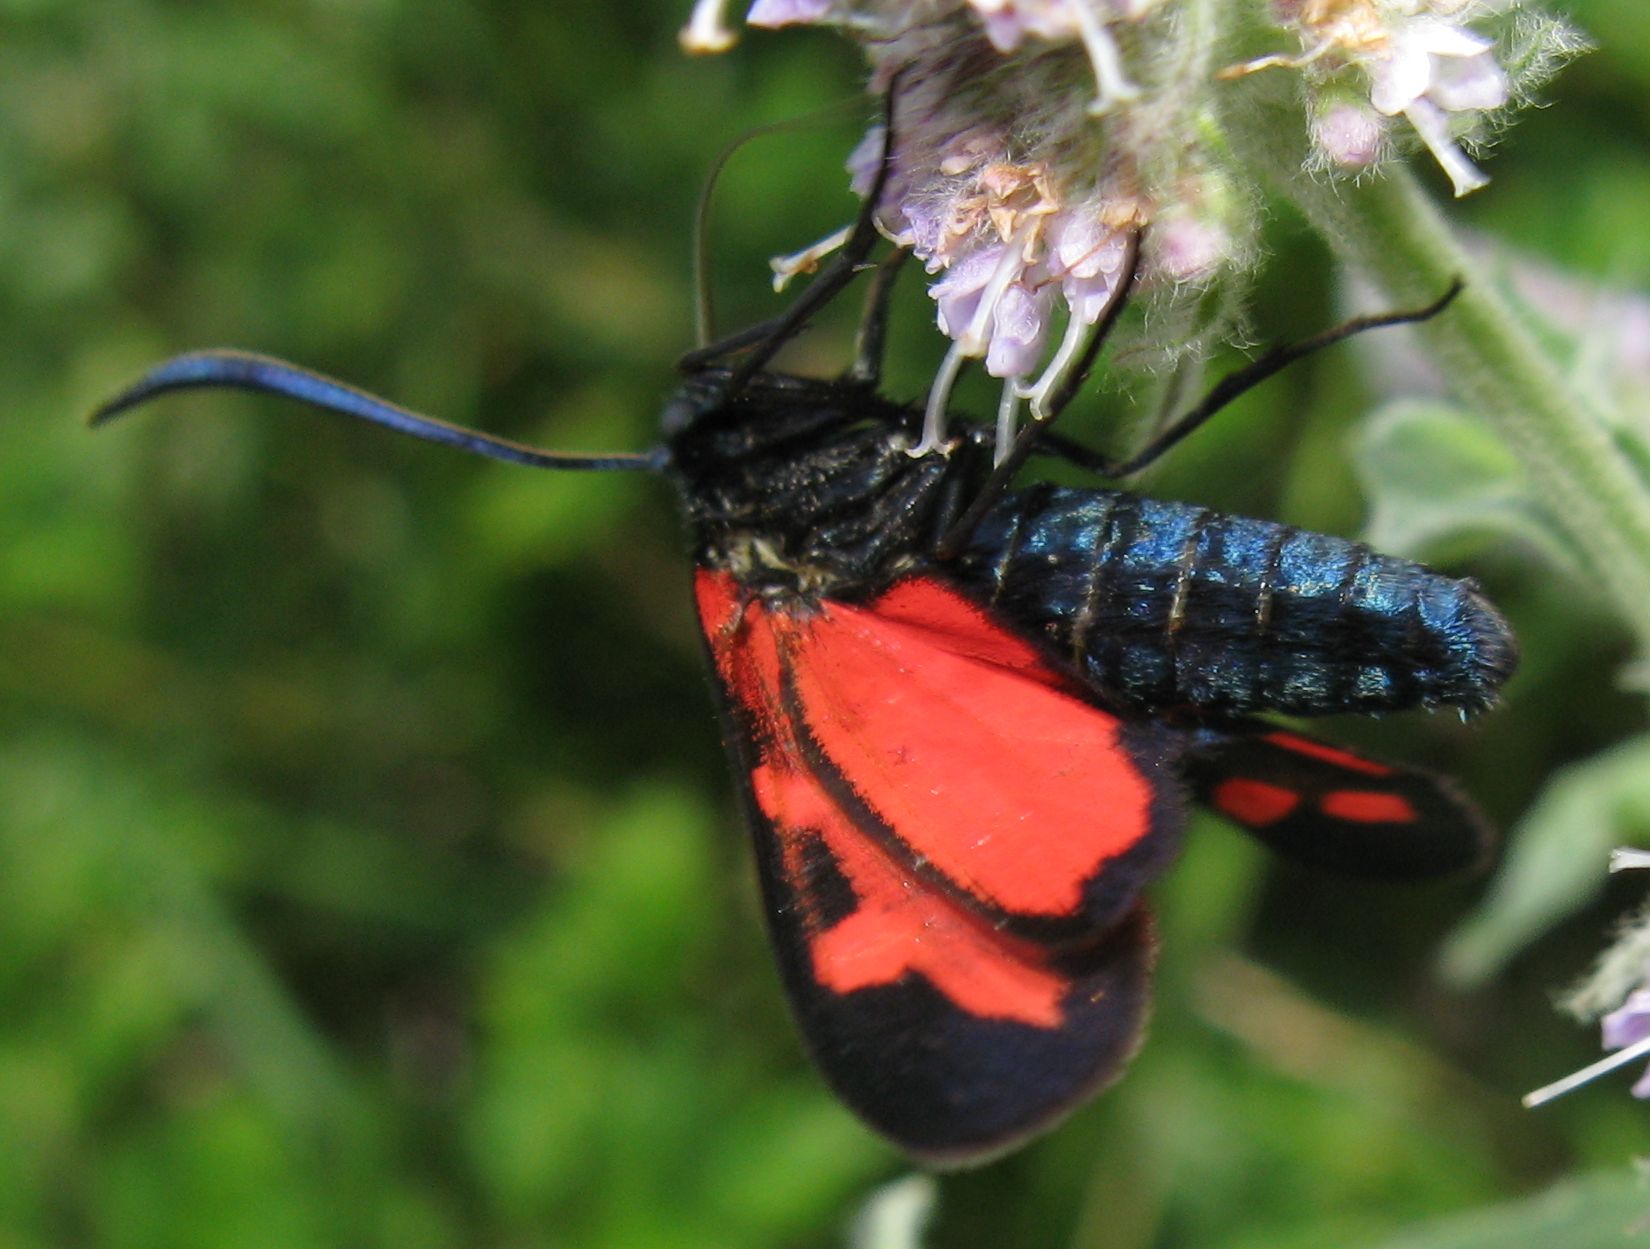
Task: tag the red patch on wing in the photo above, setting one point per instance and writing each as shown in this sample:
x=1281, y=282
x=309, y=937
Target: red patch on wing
x=951, y=842
x=1251, y=802
x=1328, y=754
x=970, y=748
x=915, y=732
x=901, y=926
x=1367, y=807
x=1343, y=811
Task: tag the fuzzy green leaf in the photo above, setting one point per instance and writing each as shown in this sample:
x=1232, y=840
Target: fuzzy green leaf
x=1557, y=857
x=1600, y=1211
x=1436, y=478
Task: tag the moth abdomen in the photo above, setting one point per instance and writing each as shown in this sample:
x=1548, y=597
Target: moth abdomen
x=1170, y=605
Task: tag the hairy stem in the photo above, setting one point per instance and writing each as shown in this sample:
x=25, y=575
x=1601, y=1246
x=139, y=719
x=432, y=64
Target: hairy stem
x=1391, y=231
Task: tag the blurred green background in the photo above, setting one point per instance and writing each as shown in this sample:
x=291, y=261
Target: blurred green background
x=369, y=871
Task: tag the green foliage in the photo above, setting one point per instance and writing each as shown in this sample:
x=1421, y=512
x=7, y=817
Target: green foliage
x=1594, y=1212
x=1440, y=485
x=1553, y=857
x=368, y=870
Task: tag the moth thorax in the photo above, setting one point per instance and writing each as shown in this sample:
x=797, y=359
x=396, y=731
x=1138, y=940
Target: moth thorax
x=762, y=565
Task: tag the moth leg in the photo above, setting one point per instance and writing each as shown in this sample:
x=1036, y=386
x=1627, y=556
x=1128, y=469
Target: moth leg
x=1229, y=388
x=870, y=343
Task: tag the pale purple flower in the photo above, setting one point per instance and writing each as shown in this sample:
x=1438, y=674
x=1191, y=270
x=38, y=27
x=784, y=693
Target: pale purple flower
x=787, y=12
x=864, y=160
x=1087, y=258
x=1421, y=61
x=1428, y=58
x=1629, y=1024
x=1430, y=70
x=1019, y=331
x=923, y=230
x=957, y=295
x=1187, y=247
x=1023, y=200
x=1009, y=23
x=1350, y=134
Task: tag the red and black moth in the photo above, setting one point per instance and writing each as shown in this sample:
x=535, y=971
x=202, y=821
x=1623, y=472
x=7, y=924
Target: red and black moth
x=968, y=722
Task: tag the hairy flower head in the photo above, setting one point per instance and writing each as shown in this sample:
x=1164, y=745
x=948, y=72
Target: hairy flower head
x=1034, y=139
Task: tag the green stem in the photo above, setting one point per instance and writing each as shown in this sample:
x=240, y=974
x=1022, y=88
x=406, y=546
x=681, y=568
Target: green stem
x=1391, y=231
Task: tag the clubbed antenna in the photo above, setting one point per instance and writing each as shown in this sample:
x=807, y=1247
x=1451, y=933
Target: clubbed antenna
x=245, y=370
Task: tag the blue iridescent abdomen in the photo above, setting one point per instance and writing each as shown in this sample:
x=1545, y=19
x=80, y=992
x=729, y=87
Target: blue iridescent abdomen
x=1168, y=606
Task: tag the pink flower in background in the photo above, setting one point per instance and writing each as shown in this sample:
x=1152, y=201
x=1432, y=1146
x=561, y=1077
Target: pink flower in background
x=1419, y=59
x=1351, y=134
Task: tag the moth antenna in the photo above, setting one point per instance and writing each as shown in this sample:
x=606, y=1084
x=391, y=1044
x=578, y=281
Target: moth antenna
x=770, y=335
x=1228, y=388
x=245, y=370
x=847, y=263
x=704, y=318
x=870, y=343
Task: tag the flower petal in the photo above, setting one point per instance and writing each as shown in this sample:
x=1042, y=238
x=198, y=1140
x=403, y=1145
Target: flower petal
x=787, y=12
x=1019, y=331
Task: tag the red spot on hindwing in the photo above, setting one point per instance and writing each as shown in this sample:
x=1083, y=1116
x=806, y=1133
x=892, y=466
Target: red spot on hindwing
x=1254, y=803
x=1360, y=806
x=1328, y=754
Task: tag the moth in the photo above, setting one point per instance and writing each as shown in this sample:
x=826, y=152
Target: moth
x=968, y=720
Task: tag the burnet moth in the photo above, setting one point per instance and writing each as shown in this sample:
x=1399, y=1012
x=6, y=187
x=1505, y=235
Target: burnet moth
x=967, y=721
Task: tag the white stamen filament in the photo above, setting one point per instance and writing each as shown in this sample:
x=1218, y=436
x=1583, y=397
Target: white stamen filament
x=1626, y=859
x=976, y=339
x=1008, y=412
x=1279, y=60
x=1078, y=332
x=1605, y=1065
x=807, y=260
x=939, y=398
x=706, y=31
x=1109, y=75
x=1432, y=124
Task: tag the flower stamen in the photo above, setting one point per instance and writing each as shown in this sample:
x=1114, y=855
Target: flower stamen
x=1432, y=124
x=1115, y=86
x=1627, y=859
x=976, y=339
x=706, y=30
x=785, y=268
x=1277, y=61
x=1008, y=412
x=1589, y=1073
x=939, y=400
x=1077, y=335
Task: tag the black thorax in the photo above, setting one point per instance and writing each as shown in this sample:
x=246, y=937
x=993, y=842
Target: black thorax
x=807, y=487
